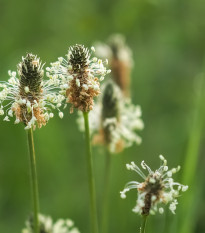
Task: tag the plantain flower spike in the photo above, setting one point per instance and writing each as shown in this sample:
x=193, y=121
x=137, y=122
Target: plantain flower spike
x=121, y=61
x=110, y=114
x=157, y=189
x=46, y=225
x=29, y=98
x=115, y=120
x=80, y=76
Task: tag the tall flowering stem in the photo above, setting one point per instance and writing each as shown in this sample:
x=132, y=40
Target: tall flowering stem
x=143, y=224
x=31, y=99
x=34, y=181
x=93, y=207
x=105, y=202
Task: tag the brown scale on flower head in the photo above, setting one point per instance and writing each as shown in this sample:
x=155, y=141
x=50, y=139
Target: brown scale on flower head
x=79, y=96
x=121, y=62
x=80, y=93
x=31, y=75
x=121, y=75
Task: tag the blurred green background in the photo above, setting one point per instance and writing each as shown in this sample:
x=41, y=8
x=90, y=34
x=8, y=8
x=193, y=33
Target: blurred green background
x=167, y=38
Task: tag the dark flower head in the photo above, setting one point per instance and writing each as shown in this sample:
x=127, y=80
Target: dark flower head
x=78, y=56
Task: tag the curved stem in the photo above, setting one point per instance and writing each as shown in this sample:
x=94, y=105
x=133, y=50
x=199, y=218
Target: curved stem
x=34, y=182
x=143, y=224
x=93, y=207
x=105, y=203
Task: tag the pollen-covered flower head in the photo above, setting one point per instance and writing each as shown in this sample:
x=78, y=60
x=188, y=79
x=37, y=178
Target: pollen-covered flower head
x=46, y=225
x=158, y=188
x=120, y=57
x=28, y=97
x=80, y=75
x=115, y=120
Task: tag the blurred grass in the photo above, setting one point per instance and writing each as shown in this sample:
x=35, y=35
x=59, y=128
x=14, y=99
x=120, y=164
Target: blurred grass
x=167, y=39
x=188, y=218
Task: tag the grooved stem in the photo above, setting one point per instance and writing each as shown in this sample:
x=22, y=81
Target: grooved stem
x=93, y=207
x=33, y=178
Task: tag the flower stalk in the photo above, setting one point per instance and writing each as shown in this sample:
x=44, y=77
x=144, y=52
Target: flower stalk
x=93, y=206
x=105, y=201
x=34, y=181
x=143, y=224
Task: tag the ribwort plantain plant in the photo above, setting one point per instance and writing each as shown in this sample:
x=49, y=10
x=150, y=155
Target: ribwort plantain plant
x=78, y=75
x=31, y=100
x=158, y=188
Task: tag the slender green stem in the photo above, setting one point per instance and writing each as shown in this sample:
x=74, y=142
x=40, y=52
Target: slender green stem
x=93, y=207
x=105, y=202
x=143, y=224
x=34, y=182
